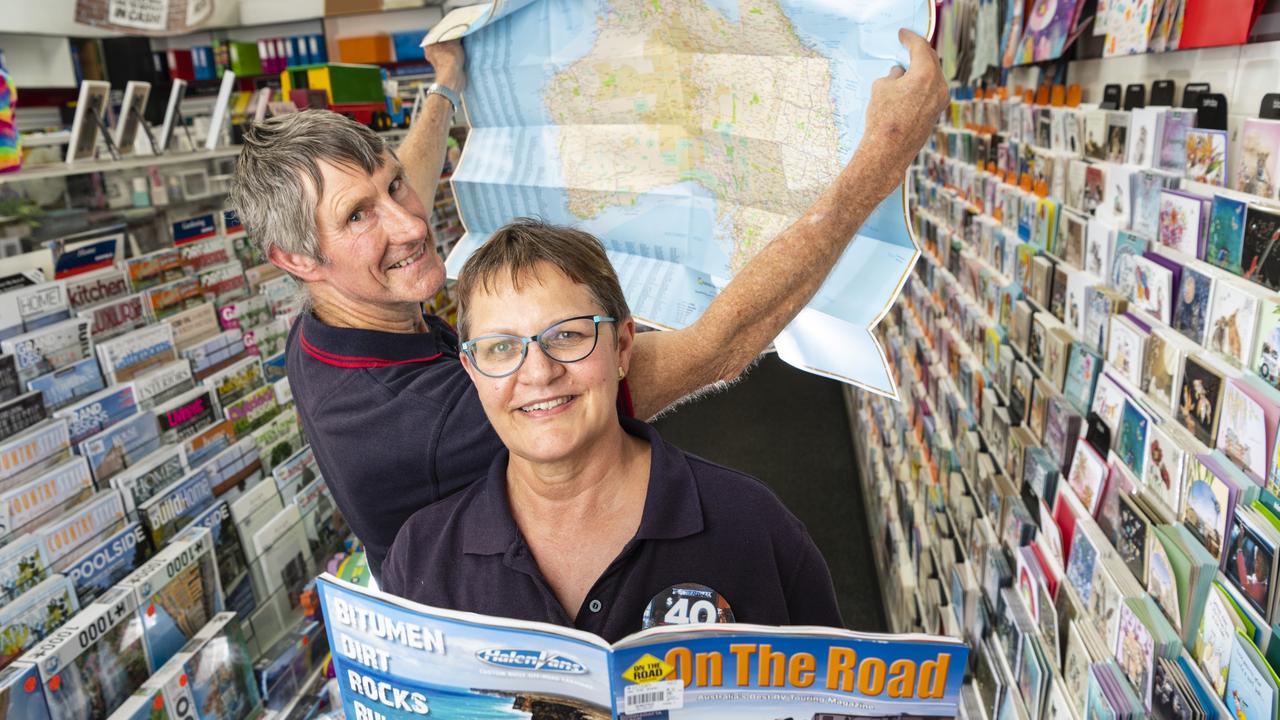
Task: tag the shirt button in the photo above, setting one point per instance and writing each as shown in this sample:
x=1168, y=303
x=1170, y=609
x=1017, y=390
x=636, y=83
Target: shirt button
x=595, y=605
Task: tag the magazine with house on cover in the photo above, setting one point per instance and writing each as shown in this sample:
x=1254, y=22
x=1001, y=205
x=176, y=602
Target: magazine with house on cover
x=398, y=659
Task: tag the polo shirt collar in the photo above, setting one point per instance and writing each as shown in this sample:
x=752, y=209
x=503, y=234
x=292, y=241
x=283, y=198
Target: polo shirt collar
x=356, y=348
x=672, y=508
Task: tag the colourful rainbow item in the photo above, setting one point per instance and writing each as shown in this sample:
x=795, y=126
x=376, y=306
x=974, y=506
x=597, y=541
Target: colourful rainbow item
x=10, y=140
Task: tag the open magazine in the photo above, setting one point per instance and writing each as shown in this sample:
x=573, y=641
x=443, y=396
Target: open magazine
x=397, y=659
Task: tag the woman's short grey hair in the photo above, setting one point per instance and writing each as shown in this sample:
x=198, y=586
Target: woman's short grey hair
x=277, y=182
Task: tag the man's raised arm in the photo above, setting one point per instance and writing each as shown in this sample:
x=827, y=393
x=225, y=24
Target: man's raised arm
x=778, y=282
x=423, y=150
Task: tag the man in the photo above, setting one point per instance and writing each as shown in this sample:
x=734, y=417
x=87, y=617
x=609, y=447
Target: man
x=393, y=420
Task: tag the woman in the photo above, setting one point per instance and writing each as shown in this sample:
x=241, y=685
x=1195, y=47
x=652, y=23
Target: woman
x=589, y=519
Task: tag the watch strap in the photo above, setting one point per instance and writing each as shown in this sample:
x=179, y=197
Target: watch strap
x=449, y=94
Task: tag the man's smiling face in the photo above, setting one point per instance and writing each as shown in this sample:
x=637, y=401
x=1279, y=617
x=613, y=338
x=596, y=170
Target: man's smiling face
x=374, y=236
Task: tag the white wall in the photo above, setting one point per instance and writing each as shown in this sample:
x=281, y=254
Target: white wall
x=38, y=61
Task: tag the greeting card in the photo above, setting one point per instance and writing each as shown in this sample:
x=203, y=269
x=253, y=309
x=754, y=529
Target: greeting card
x=1200, y=399
x=1242, y=432
x=1049, y=23
x=1162, y=370
x=1088, y=473
x=1174, y=125
x=1126, y=344
x=1099, y=238
x=1191, y=311
x=1233, y=321
x=1129, y=26
x=1182, y=217
x=1131, y=447
x=1117, y=137
x=1145, y=215
x=1164, y=468
x=1266, y=352
x=1261, y=254
x=1142, y=136
x=1226, y=233
x=1259, y=152
x=1152, y=287
x=1207, y=156
x=1128, y=247
x=1095, y=181
x=1095, y=135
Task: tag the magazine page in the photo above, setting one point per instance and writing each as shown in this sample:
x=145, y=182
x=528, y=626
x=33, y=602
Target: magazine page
x=736, y=671
x=396, y=659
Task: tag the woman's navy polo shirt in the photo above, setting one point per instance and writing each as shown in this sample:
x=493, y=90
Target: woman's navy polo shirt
x=702, y=524
x=393, y=420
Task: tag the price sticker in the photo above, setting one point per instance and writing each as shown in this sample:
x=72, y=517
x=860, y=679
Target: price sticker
x=652, y=697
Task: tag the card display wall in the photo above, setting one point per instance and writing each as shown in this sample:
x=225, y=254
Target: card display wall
x=1081, y=473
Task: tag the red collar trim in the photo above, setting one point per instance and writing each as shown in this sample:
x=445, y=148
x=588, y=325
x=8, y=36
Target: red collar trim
x=353, y=362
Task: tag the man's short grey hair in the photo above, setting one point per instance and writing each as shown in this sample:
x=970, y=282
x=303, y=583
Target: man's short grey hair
x=277, y=182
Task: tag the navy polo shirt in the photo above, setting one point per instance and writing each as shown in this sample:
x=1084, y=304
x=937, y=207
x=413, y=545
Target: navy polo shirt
x=702, y=524
x=393, y=420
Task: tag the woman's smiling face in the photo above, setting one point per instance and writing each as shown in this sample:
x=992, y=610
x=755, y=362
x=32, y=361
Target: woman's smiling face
x=548, y=411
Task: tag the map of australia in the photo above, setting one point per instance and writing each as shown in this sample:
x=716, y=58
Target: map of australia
x=687, y=134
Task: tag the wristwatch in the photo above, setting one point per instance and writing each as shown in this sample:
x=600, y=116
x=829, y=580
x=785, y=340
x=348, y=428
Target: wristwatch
x=449, y=94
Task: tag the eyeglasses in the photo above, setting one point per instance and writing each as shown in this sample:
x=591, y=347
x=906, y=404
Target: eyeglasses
x=568, y=341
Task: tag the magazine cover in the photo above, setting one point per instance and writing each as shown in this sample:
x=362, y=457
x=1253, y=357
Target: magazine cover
x=237, y=466
x=298, y=471
x=220, y=672
x=97, y=288
x=170, y=510
x=72, y=529
x=193, y=325
x=116, y=317
x=22, y=567
x=186, y=415
x=463, y=665
x=224, y=283
x=49, y=348
x=66, y=385
x=163, y=384
x=22, y=694
x=253, y=410
x=171, y=298
x=201, y=447
x=177, y=592
x=216, y=353
x=156, y=268
x=24, y=503
x=245, y=313
x=203, y=254
x=92, y=666
x=236, y=380
x=278, y=439
x=267, y=339
x=233, y=562
x=43, y=304
x=29, y=453
x=120, y=446
x=21, y=413
x=124, y=358
x=10, y=385
x=35, y=615
x=99, y=411
x=139, y=482
x=282, y=556
x=103, y=564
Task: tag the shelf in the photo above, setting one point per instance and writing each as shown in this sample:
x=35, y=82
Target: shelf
x=57, y=170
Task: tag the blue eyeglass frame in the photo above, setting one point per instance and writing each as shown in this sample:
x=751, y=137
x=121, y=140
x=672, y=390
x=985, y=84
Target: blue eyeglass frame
x=468, y=346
